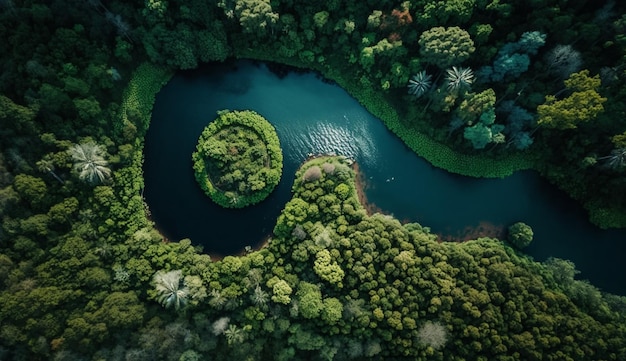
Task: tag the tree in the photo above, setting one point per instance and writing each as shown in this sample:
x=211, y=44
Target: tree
x=234, y=335
x=30, y=188
x=520, y=235
x=432, y=334
x=310, y=301
x=281, y=290
x=218, y=327
x=327, y=269
x=419, y=84
x=563, y=60
x=332, y=310
x=478, y=105
x=259, y=297
x=582, y=105
x=459, y=79
x=444, y=47
x=616, y=160
x=170, y=290
x=479, y=135
x=89, y=162
x=46, y=166
x=255, y=16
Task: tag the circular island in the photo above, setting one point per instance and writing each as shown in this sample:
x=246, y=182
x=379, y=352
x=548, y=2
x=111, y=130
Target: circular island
x=238, y=160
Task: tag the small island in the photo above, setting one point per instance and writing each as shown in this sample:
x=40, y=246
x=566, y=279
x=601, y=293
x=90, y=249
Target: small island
x=238, y=160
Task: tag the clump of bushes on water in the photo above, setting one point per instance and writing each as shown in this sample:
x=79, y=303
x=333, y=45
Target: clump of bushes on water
x=520, y=235
x=238, y=160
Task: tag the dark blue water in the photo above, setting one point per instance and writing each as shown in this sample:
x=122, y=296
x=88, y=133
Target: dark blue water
x=311, y=116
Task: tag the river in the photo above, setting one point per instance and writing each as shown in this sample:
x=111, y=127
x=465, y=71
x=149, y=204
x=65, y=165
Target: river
x=313, y=116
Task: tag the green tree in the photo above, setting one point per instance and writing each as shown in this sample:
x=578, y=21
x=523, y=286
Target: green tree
x=46, y=166
x=520, y=235
x=234, y=335
x=583, y=104
x=31, y=189
x=327, y=269
x=444, y=47
x=310, y=302
x=255, y=16
x=281, y=290
x=89, y=162
x=332, y=311
x=171, y=291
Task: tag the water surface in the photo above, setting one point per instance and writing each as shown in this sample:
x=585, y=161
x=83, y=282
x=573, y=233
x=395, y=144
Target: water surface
x=311, y=116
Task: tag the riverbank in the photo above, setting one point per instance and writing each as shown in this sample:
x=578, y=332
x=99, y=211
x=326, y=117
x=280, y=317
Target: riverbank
x=437, y=154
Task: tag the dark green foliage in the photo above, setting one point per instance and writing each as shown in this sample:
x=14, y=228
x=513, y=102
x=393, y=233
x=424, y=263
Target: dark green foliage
x=520, y=235
x=238, y=160
x=76, y=261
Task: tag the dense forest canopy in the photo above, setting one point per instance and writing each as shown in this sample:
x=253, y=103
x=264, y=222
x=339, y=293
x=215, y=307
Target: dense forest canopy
x=238, y=160
x=478, y=87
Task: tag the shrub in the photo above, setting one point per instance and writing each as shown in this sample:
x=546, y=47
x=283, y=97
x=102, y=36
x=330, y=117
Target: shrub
x=520, y=235
x=312, y=174
x=328, y=168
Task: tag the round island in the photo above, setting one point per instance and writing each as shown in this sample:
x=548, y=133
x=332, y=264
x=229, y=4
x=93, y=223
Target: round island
x=238, y=160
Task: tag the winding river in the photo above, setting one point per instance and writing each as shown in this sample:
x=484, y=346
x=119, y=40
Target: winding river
x=312, y=116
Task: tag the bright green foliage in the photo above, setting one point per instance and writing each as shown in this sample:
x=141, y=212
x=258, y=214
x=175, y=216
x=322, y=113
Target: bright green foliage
x=327, y=269
x=332, y=310
x=281, y=291
x=63, y=212
x=238, y=160
x=446, y=11
x=582, y=105
x=444, y=47
x=255, y=16
x=520, y=235
x=309, y=300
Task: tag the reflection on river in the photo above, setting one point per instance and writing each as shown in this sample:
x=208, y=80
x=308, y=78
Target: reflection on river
x=312, y=116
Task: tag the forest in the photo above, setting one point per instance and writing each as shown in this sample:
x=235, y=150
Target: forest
x=238, y=160
x=477, y=87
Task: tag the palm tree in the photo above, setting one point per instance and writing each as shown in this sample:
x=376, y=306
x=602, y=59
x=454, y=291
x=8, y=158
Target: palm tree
x=89, y=162
x=46, y=166
x=617, y=158
x=217, y=299
x=170, y=290
x=419, y=84
x=459, y=78
x=233, y=335
x=259, y=297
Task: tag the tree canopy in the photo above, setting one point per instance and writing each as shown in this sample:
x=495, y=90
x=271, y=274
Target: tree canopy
x=238, y=160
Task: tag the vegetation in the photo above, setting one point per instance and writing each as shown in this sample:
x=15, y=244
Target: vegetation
x=520, y=235
x=84, y=275
x=89, y=163
x=238, y=160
